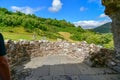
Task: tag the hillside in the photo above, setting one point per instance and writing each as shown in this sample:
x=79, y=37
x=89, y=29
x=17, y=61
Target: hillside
x=17, y=25
x=105, y=28
x=31, y=24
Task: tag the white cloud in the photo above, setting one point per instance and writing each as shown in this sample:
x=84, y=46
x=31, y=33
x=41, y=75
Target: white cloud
x=56, y=6
x=103, y=16
x=92, y=0
x=26, y=10
x=95, y=1
x=98, y=1
x=90, y=23
x=83, y=9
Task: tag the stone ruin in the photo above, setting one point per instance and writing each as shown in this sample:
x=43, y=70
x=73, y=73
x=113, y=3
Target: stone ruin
x=20, y=52
x=112, y=9
x=96, y=56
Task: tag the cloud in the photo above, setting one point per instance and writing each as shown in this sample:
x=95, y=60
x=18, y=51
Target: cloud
x=83, y=9
x=103, y=16
x=95, y=1
x=92, y=0
x=26, y=10
x=98, y=1
x=90, y=23
x=56, y=6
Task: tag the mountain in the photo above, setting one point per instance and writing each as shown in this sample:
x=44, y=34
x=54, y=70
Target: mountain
x=105, y=28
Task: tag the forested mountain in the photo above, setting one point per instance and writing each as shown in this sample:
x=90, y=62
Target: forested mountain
x=105, y=28
x=17, y=25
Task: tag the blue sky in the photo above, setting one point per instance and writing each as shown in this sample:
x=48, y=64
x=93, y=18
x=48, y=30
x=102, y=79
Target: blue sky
x=87, y=13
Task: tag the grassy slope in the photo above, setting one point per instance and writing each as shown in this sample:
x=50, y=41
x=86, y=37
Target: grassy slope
x=20, y=33
x=17, y=33
x=66, y=36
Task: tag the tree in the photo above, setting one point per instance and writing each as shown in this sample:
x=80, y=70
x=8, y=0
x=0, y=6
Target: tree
x=4, y=11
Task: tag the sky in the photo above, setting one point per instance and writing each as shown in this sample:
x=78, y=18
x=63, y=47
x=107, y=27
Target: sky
x=84, y=13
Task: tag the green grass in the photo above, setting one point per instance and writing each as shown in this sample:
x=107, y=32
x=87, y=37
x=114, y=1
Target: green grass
x=66, y=36
x=17, y=36
x=17, y=33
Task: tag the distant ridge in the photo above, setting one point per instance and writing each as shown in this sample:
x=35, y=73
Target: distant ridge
x=105, y=28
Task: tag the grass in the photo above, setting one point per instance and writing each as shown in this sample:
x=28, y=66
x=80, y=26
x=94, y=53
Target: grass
x=17, y=36
x=17, y=33
x=66, y=36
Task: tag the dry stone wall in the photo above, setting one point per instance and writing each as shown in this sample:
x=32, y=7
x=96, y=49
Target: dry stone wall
x=21, y=51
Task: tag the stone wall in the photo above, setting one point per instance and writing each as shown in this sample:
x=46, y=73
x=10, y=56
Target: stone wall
x=22, y=51
x=112, y=9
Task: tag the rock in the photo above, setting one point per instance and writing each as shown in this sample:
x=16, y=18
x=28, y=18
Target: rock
x=102, y=57
x=117, y=68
